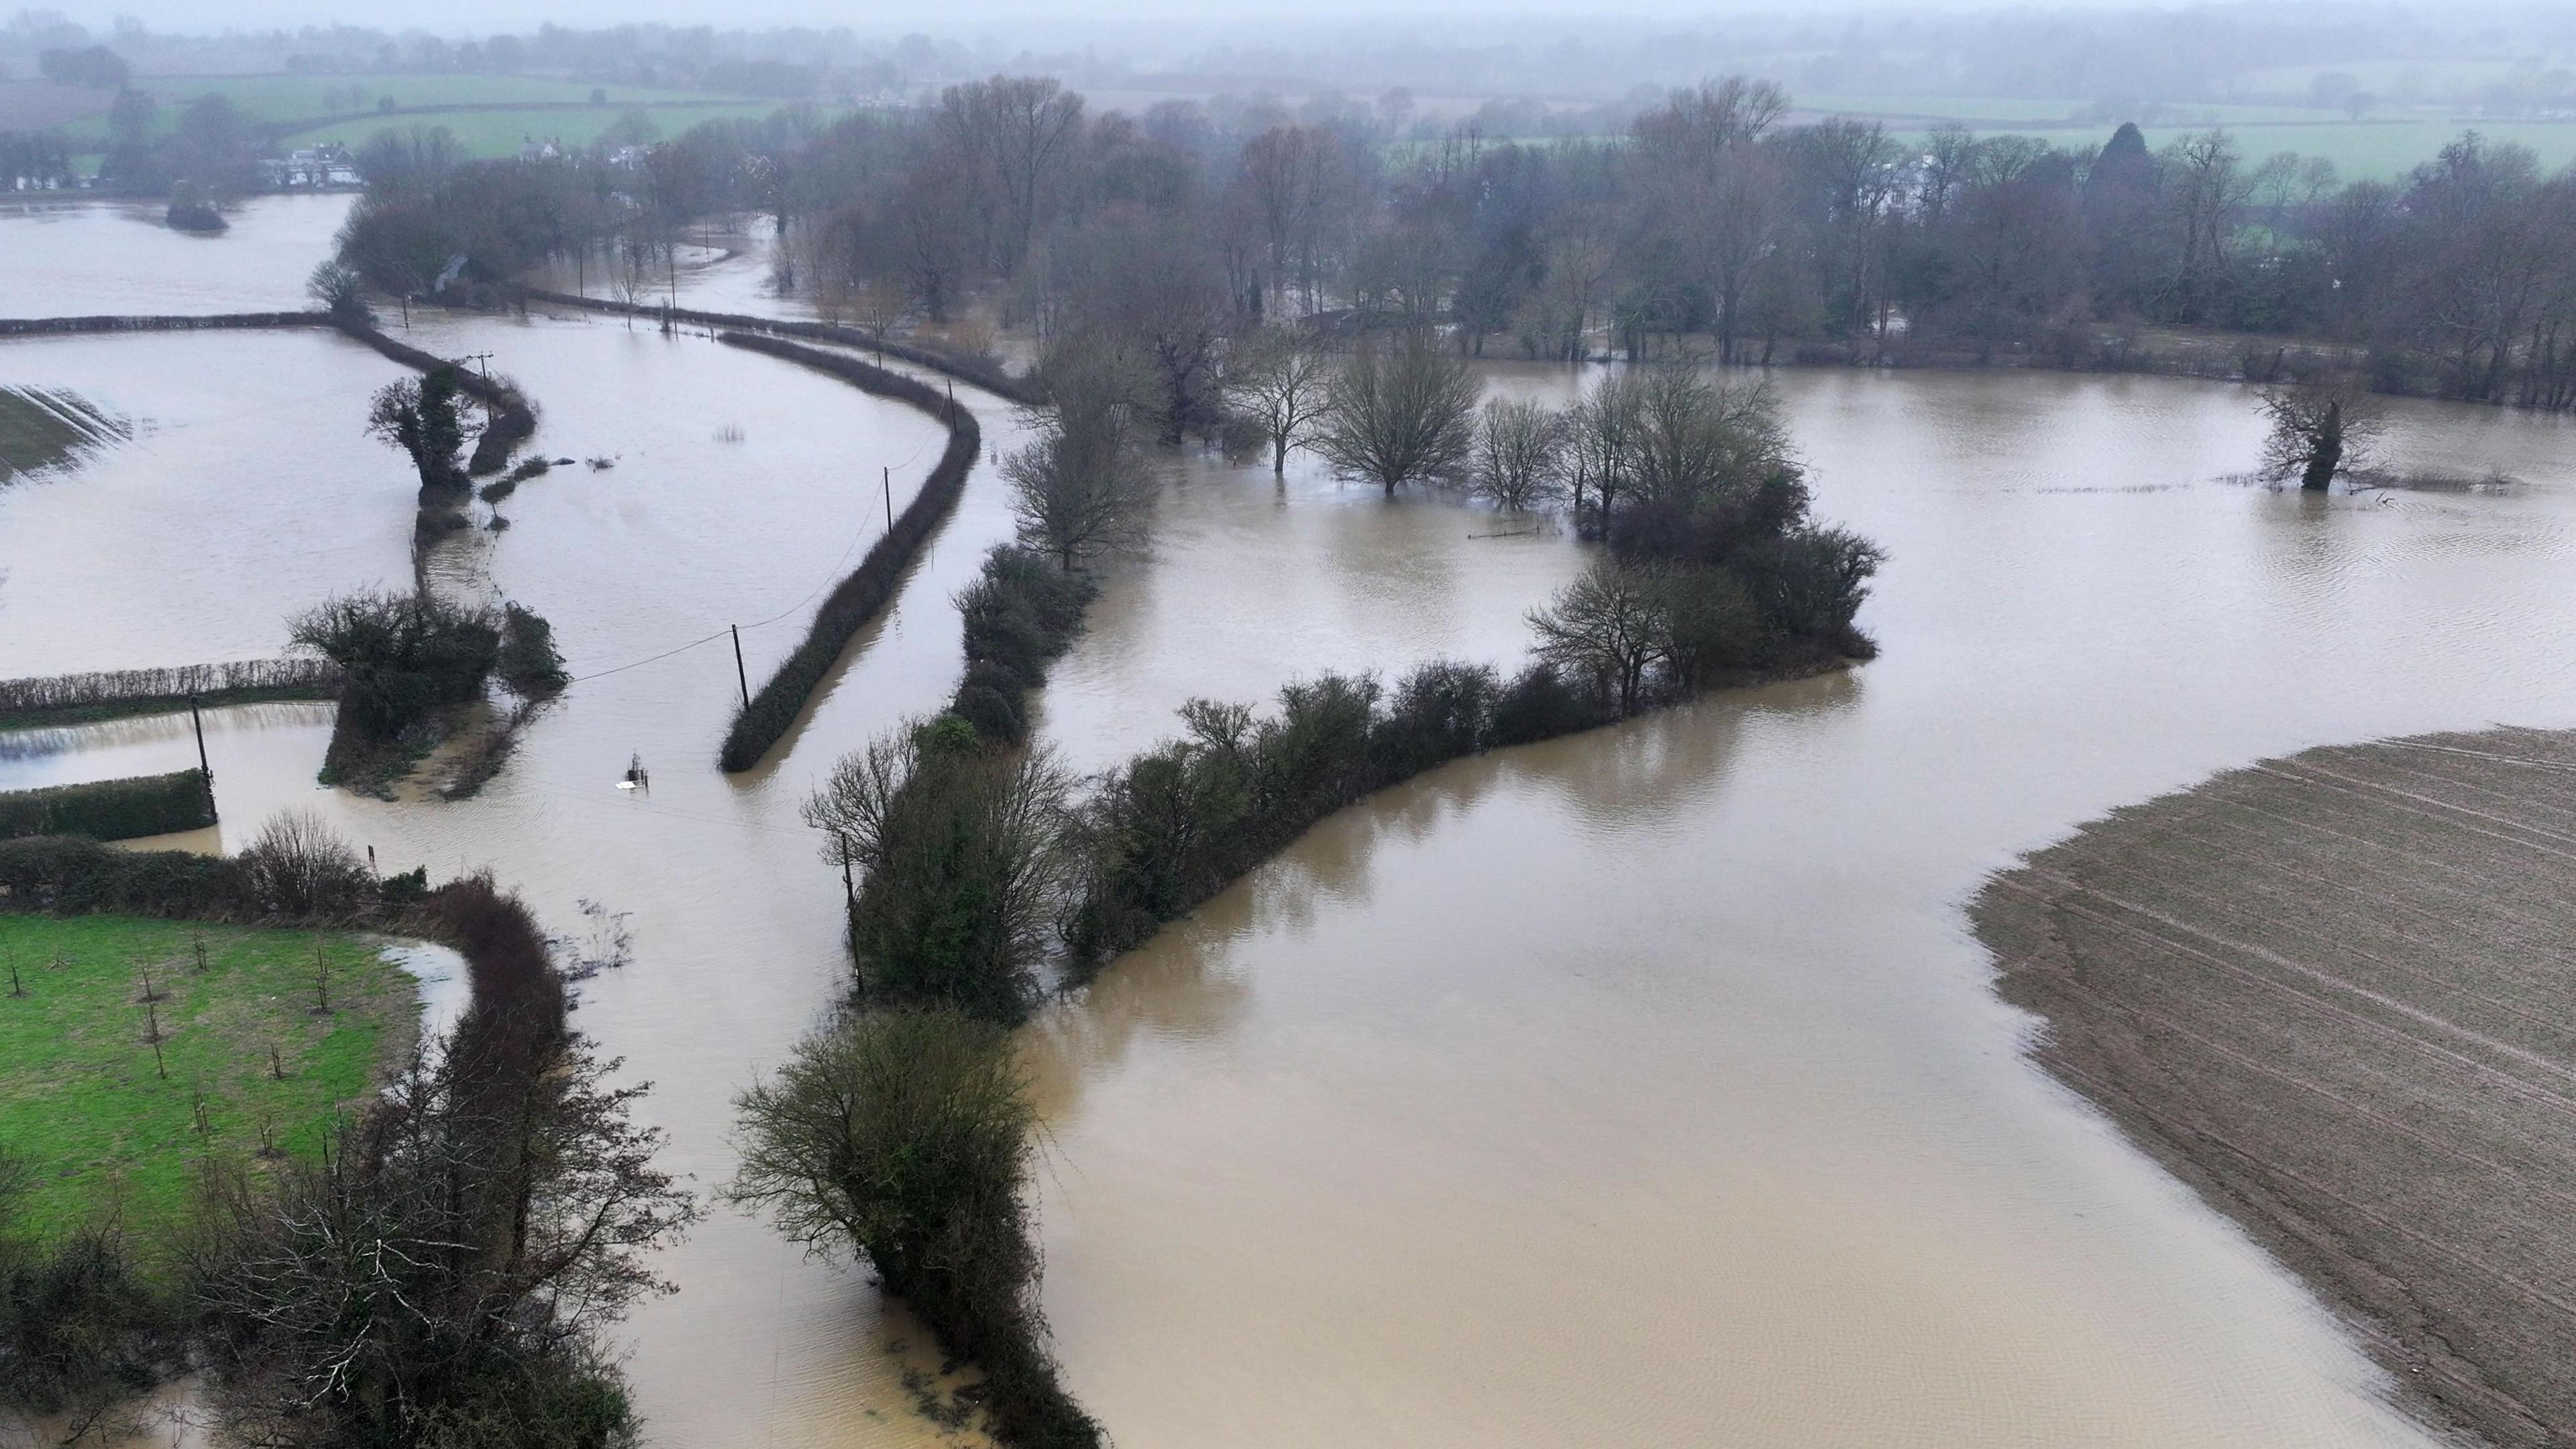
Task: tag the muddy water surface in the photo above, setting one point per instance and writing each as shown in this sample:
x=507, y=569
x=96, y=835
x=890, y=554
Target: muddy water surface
x=1643, y=1087
x=64, y=257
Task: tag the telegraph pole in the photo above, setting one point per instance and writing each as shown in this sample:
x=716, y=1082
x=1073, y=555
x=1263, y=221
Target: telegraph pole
x=740, y=675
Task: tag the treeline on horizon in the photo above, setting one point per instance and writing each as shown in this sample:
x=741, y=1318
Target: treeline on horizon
x=1712, y=222
x=2503, y=61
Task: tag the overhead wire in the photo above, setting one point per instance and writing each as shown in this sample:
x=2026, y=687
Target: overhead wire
x=830, y=578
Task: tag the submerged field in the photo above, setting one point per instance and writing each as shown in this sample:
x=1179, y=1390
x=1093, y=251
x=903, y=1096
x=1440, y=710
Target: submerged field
x=107, y=1128
x=2334, y=993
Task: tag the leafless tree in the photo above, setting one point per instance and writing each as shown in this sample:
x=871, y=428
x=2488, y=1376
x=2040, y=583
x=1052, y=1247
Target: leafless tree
x=1601, y=442
x=1080, y=489
x=1404, y=416
x=1282, y=381
x=2320, y=432
x=448, y=1260
x=1520, y=454
x=1612, y=625
x=1010, y=134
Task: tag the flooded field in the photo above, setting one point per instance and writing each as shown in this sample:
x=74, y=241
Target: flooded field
x=76, y=258
x=1640, y=1087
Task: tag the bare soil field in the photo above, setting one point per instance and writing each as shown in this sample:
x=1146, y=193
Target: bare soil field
x=2337, y=994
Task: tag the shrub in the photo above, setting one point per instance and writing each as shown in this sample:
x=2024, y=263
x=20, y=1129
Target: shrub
x=989, y=701
x=141, y=691
x=1439, y=712
x=961, y=852
x=1810, y=583
x=904, y=1137
x=79, y=1330
x=405, y=655
x=1714, y=627
x=1020, y=616
x=298, y=867
x=526, y=660
x=75, y=876
x=1539, y=704
x=110, y=809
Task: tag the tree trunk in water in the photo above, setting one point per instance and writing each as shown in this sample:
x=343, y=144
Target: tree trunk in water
x=1278, y=456
x=2327, y=455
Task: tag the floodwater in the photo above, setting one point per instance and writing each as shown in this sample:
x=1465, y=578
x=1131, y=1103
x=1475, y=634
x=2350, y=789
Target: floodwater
x=1643, y=1087
x=77, y=257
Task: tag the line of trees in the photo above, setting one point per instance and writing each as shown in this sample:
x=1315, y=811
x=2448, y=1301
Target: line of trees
x=1711, y=224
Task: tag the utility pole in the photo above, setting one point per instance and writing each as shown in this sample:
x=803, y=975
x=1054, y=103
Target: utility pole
x=741, y=676
x=889, y=495
x=205, y=772
x=483, y=364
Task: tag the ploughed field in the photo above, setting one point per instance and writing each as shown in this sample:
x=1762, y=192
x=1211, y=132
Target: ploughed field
x=2337, y=993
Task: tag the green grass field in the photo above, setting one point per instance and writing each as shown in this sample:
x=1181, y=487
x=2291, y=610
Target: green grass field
x=2362, y=151
x=2002, y=110
x=502, y=133
x=275, y=99
x=103, y=1129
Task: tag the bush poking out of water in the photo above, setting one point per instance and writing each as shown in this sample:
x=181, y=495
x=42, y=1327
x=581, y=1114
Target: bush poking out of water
x=960, y=853
x=110, y=809
x=904, y=1137
x=407, y=658
x=1020, y=615
x=527, y=661
x=1540, y=705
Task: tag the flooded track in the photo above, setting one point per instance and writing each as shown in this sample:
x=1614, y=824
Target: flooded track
x=1639, y=1087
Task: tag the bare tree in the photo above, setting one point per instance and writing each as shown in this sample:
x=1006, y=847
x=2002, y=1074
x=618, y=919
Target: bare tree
x=1081, y=489
x=1601, y=444
x=1520, y=454
x=1282, y=381
x=447, y=1263
x=1612, y=625
x=2319, y=433
x=1405, y=417
x=1010, y=133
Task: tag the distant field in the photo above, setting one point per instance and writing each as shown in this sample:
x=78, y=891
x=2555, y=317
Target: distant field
x=2363, y=151
x=276, y=98
x=502, y=133
x=33, y=105
x=103, y=1128
x=2010, y=109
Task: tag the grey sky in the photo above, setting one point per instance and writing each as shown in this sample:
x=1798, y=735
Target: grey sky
x=1046, y=24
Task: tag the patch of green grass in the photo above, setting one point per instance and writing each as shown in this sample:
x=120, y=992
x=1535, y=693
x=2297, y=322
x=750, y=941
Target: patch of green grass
x=486, y=134
x=2361, y=151
x=272, y=99
x=105, y=1128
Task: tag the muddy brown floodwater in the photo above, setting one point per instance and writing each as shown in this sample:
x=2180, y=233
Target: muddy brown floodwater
x=75, y=257
x=1644, y=1087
